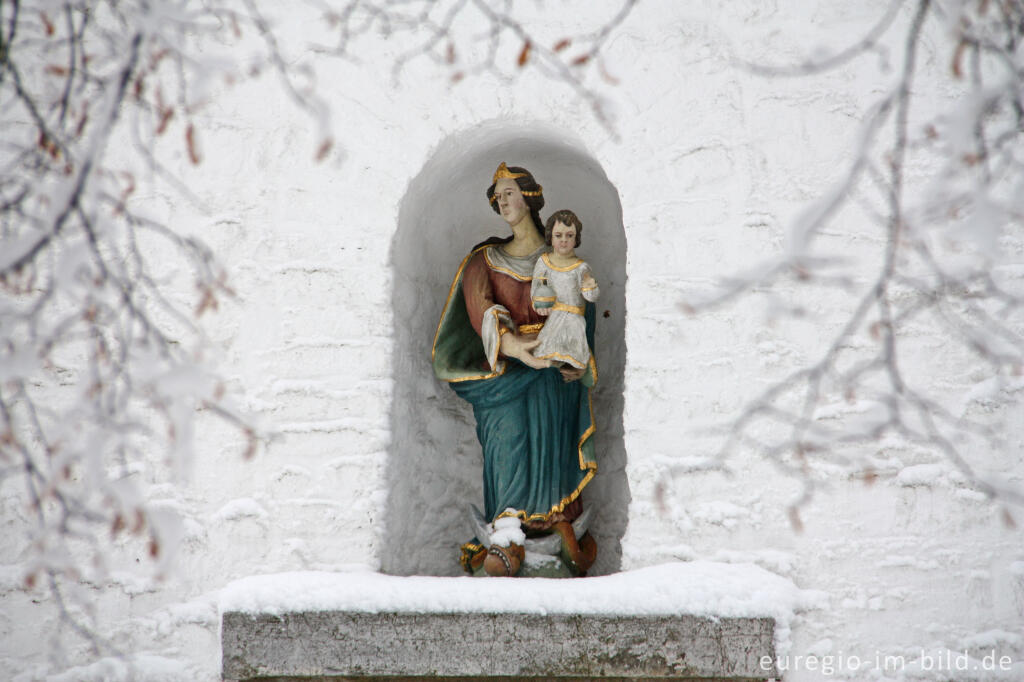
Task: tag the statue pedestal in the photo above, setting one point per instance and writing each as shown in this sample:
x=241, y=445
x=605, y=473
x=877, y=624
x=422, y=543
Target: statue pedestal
x=634, y=625
x=341, y=645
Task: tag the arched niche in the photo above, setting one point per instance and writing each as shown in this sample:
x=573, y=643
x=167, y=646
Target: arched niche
x=434, y=464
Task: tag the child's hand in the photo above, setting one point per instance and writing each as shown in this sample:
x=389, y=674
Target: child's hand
x=543, y=312
x=589, y=282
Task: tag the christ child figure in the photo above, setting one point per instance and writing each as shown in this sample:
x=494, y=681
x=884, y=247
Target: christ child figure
x=562, y=284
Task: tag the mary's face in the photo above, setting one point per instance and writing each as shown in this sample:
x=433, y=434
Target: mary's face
x=511, y=202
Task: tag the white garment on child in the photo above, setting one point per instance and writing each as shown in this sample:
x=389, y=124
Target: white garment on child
x=564, y=335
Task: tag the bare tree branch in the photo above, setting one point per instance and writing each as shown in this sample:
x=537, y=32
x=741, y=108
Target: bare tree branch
x=913, y=284
x=868, y=42
x=431, y=29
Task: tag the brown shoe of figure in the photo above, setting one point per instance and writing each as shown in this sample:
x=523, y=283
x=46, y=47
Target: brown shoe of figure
x=504, y=561
x=588, y=552
x=579, y=555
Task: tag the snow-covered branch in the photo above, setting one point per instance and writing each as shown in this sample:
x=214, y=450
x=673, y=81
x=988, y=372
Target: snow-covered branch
x=950, y=236
x=474, y=37
x=104, y=365
x=102, y=371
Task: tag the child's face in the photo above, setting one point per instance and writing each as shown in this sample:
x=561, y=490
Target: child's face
x=563, y=239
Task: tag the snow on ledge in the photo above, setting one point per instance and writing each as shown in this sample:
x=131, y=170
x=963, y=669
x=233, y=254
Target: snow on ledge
x=701, y=588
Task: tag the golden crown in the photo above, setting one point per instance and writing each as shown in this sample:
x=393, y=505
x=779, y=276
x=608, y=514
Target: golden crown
x=504, y=172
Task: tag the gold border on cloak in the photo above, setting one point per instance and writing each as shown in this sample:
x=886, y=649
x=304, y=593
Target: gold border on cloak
x=566, y=268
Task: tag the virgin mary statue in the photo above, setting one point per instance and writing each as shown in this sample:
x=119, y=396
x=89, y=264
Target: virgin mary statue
x=535, y=422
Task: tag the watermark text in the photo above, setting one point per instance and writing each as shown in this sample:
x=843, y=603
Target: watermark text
x=833, y=664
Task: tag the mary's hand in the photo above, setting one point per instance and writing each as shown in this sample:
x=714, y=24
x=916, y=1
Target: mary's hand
x=570, y=373
x=517, y=347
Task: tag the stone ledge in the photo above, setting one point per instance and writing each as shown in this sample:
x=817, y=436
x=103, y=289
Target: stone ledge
x=339, y=645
